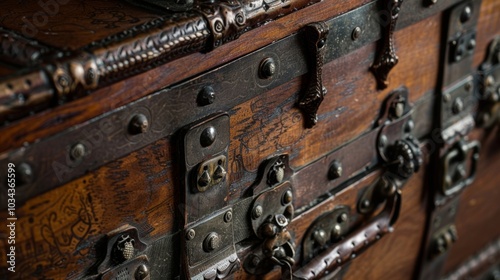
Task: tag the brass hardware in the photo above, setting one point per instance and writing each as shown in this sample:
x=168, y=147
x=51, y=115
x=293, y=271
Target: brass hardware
x=335, y=170
x=206, y=96
x=138, y=124
x=77, y=152
x=313, y=96
x=267, y=68
x=386, y=57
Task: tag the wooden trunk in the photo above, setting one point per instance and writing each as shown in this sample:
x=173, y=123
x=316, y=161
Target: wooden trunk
x=244, y=139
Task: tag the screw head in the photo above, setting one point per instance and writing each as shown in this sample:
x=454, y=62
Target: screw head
x=206, y=96
x=287, y=197
x=267, y=68
x=466, y=14
x=458, y=106
x=77, y=152
x=471, y=44
x=409, y=126
x=138, y=124
x=257, y=212
x=335, y=170
x=211, y=242
x=142, y=272
x=356, y=32
x=190, y=234
x=207, y=136
x=342, y=218
x=336, y=231
x=228, y=216
x=366, y=203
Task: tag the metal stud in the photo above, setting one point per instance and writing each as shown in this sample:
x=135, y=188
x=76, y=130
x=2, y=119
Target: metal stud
x=335, y=170
x=142, y=272
x=77, y=152
x=24, y=173
x=190, y=234
x=466, y=14
x=356, y=32
x=138, y=124
x=257, y=212
x=342, y=218
x=458, y=106
x=208, y=136
x=287, y=197
x=267, y=68
x=320, y=237
x=228, y=216
x=206, y=96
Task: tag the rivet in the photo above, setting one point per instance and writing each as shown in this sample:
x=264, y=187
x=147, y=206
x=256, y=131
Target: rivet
x=335, y=170
x=267, y=68
x=466, y=14
x=382, y=141
x=409, y=126
x=321, y=43
x=24, y=173
x=471, y=44
x=287, y=197
x=207, y=136
x=458, y=106
x=142, y=272
x=211, y=242
x=342, y=218
x=206, y=96
x=257, y=211
x=446, y=97
x=490, y=80
x=77, y=152
x=356, y=32
x=190, y=234
x=366, y=203
x=228, y=216
x=468, y=86
x=336, y=231
x=432, y=2
x=138, y=124
x=320, y=237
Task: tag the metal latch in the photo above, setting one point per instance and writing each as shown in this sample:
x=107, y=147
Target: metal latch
x=489, y=87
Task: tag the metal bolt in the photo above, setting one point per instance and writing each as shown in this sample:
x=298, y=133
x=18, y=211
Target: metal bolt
x=335, y=170
x=211, y=242
x=287, y=197
x=458, y=106
x=267, y=68
x=138, y=124
x=77, y=152
x=466, y=14
x=228, y=216
x=24, y=173
x=207, y=136
x=206, y=96
x=356, y=32
x=257, y=212
x=409, y=126
x=142, y=272
x=342, y=218
x=320, y=237
x=190, y=234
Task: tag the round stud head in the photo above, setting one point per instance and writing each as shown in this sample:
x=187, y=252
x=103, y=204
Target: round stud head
x=190, y=234
x=466, y=14
x=138, y=124
x=267, y=68
x=257, y=212
x=142, y=272
x=356, y=32
x=212, y=242
x=208, y=136
x=206, y=96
